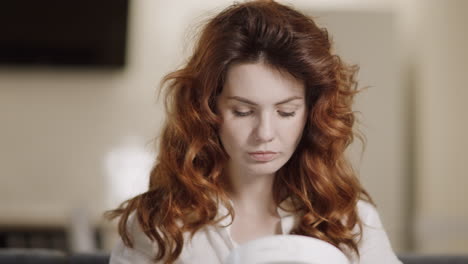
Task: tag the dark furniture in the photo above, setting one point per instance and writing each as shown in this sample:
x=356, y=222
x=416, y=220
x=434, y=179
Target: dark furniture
x=37, y=256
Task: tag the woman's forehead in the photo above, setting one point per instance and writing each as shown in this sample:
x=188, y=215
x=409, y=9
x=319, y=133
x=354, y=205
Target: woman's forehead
x=259, y=82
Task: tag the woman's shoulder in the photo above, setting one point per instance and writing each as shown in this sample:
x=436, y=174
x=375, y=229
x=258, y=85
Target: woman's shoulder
x=143, y=250
x=368, y=214
x=374, y=245
x=141, y=240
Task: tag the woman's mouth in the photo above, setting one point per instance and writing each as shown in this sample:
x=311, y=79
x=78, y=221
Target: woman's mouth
x=263, y=156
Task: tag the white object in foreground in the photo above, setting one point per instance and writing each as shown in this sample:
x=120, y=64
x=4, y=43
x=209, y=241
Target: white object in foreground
x=290, y=249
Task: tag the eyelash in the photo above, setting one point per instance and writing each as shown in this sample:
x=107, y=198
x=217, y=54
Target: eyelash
x=245, y=114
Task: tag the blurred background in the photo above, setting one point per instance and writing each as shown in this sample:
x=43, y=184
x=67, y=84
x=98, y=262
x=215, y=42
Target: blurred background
x=77, y=134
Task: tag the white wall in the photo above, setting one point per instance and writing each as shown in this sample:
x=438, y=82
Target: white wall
x=442, y=127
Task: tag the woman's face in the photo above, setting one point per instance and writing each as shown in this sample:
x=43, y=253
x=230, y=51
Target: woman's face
x=264, y=113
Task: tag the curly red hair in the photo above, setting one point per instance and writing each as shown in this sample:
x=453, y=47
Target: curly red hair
x=186, y=184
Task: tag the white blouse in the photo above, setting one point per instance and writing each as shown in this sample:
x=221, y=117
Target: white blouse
x=212, y=244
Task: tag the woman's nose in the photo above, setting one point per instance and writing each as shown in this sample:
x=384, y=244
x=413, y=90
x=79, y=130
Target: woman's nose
x=264, y=131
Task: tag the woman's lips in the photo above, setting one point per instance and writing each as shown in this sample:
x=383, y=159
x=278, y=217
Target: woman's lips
x=263, y=156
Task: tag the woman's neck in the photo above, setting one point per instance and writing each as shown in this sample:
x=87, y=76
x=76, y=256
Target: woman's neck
x=256, y=214
x=252, y=195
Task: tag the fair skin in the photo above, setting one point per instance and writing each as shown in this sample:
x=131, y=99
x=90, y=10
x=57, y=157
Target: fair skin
x=263, y=110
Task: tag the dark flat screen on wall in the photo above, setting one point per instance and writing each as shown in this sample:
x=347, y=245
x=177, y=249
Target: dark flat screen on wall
x=63, y=32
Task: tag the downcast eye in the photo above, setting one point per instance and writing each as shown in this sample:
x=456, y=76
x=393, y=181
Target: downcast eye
x=286, y=114
x=238, y=113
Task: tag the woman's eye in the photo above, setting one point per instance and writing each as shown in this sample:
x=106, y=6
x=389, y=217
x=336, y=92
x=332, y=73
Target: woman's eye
x=286, y=114
x=238, y=113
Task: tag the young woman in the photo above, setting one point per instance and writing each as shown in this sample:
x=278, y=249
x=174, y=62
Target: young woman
x=257, y=124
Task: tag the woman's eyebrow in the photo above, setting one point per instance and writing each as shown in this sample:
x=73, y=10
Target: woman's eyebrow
x=244, y=100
